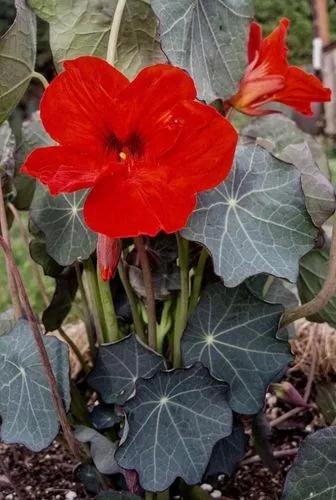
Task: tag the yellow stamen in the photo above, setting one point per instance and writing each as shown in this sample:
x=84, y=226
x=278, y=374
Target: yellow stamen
x=122, y=155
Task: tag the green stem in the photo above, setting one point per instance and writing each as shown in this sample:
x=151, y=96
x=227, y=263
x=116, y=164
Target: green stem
x=149, y=495
x=75, y=349
x=164, y=326
x=132, y=301
x=78, y=406
x=109, y=318
x=183, y=301
x=94, y=297
x=88, y=322
x=114, y=33
x=41, y=78
x=163, y=495
x=149, y=288
x=197, y=280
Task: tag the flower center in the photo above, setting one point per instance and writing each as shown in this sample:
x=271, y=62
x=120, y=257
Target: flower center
x=132, y=147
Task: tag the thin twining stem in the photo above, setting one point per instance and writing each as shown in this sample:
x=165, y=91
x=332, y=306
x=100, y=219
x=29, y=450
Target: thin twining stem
x=325, y=294
x=42, y=350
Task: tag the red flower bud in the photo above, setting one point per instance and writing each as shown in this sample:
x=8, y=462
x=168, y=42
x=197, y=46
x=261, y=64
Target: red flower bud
x=108, y=255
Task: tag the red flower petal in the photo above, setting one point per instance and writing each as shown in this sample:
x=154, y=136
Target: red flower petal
x=254, y=42
x=203, y=154
x=273, y=52
x=145, y=103
x=301, y=90
x=77, y=106
x=62, y=169
x=145, y=204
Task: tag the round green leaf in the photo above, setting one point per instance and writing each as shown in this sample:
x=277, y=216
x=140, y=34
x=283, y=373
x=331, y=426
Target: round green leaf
x=119, y=365
x=82, y=27
x=256, y=221
x=313, y=474
x=281, y=136
x=33, y=136
x=228, y=452
x=208, y=39
x=17, y=58
x=174, y=420
x=27, y=407
x=233, y=333
x=60, y=218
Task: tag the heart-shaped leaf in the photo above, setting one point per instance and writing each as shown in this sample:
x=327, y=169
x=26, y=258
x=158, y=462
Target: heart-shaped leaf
x=7, y=148
x=83, y=28
x=228, y=452
x=174, y=419
x=313, y=273
x=233, y=333
x=256, y=221
x=119, y=365
x=27, y=408
x=104, y=417
x=208, y=39
x=17, y=58
x=313, y=474
x=60, y=218
x=288, y=143
x=33, y=136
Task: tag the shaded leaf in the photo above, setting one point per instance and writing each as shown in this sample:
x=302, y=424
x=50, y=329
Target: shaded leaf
x=104, y=417
x=61, y=302
x=175, y=419
x=17, y=58
x=288, y=143
x=102, y=449
x=232, y=332
x=228, y=452
x=164, y=282
x=60, y=218
x=27, y=408
x=83, y=28
x=275, y=291
x=326, y=400
x=255, y=221
x=38, y=252
x=33, y=136
x=119, y=365
x=90, y=478
x=7, y=321
x=117, y=495
x=208, y=39
x=7, y=148
x=313, y=272
x=313, y=474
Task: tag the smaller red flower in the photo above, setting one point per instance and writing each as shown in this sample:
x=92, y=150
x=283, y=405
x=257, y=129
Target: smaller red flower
x=269, y=78
x=144, y=149
x=108, y=256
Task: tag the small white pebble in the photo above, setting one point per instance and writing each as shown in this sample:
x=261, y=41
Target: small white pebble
x=70, y=495
x=206, y=487
x=9, y=497
x=216, y=494
x=221, y=477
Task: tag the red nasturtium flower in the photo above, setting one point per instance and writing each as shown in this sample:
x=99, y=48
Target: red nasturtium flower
x=269, y=78
x=144, y=148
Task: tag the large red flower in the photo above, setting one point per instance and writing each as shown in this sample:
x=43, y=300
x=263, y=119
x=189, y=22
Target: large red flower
x=144, y=148
x=269, y=78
